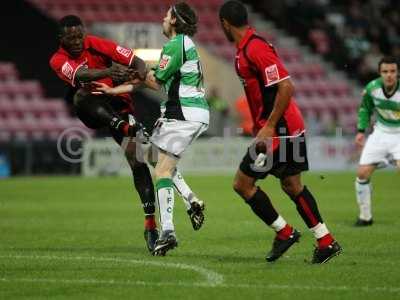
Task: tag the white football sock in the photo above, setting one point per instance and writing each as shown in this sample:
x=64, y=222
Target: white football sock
x=363, y=194
x=165, y=197
x=278, y=224
x=319, y=230
x=182, y=188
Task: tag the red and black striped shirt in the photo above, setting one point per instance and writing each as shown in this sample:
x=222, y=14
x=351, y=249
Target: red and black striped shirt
x=260, y=69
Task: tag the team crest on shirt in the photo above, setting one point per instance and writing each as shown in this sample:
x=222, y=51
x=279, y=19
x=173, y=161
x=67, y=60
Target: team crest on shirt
x=164, y=61
x=67, y=70
x=272, y=74
x=124, y=51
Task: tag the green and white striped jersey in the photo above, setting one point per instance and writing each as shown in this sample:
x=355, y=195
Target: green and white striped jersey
x=387, y=107
x=179, y=70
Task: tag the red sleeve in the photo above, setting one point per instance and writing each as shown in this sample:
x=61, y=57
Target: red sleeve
x=64, y=67
x=267, y=62
x=117, y=53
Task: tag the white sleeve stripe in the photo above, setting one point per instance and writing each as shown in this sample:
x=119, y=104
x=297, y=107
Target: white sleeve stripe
x=73, y=75
x=130, y=61
x=277, y=81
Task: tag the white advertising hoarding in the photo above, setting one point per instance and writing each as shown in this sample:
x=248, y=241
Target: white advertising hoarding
x=218, y=155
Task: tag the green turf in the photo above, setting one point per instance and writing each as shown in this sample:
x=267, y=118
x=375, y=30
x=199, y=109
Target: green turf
x=83, y=239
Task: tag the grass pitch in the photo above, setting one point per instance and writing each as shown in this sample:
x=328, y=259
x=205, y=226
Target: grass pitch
x=77, y=238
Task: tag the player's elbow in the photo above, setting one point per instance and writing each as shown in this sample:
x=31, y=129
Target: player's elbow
x=287, y=87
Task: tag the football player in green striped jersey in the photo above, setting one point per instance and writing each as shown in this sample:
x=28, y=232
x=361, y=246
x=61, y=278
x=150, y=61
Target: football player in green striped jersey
x=382, y=98
x=185, y=114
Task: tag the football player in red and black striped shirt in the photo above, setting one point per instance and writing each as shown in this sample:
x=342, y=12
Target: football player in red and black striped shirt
x=280, y=147
x=82, y=59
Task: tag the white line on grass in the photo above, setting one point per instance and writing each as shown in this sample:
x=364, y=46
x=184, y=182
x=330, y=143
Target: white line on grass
x=319, y=288
x=211, y=278
x=394, y=290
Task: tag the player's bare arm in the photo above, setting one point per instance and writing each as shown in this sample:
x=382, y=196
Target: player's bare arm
x=360, y=140
x=285, y=92
x=152, y=82
x=115, y=72
x=117, y=90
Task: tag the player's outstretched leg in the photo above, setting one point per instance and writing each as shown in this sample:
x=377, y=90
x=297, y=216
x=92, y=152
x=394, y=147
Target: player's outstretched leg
x=194, y=206
x=306, y=205
x=143, y=184
x=97, y=109
x=262, y=207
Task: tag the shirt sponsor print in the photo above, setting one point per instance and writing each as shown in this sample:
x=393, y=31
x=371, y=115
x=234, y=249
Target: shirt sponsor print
x=124, y=51
x=67, y=70
x=272, y=74
x=164, y=61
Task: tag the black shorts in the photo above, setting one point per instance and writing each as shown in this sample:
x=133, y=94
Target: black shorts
x=118, y=105
x=289, y=159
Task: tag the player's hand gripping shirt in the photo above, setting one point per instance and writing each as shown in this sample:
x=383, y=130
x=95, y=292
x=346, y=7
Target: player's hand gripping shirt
x=387, y=107
x=179, y=71
x=98, y=53
x=260, y=69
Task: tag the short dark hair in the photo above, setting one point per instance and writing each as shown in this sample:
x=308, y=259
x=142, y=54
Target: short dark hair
x=388, y=60
x=69, y=21
x=234, y=12
x=186, y=19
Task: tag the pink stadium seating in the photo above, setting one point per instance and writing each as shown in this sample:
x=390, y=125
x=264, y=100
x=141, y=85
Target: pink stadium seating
x=25, y=114
x=8, y=72
x=315, y=92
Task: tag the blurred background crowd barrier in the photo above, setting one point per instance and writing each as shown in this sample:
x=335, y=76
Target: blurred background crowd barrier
x=331, y=49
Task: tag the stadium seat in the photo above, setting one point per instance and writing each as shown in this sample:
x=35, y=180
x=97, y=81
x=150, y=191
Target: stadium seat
x=8, y=72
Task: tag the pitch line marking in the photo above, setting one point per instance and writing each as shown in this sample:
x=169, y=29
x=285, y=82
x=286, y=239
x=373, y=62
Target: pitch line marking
x=211, y=278
x=394, y=290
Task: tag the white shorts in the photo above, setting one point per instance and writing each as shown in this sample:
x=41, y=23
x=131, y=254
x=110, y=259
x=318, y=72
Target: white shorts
x=174, y=136
x=379, y=146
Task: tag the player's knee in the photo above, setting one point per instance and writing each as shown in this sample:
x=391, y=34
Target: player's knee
x=291, y=189
x=363, y=174
x=162, y=172
x=244, y=190
x=80, y=97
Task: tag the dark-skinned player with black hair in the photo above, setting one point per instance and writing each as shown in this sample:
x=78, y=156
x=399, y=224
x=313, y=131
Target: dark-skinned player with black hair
x=82, y=59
